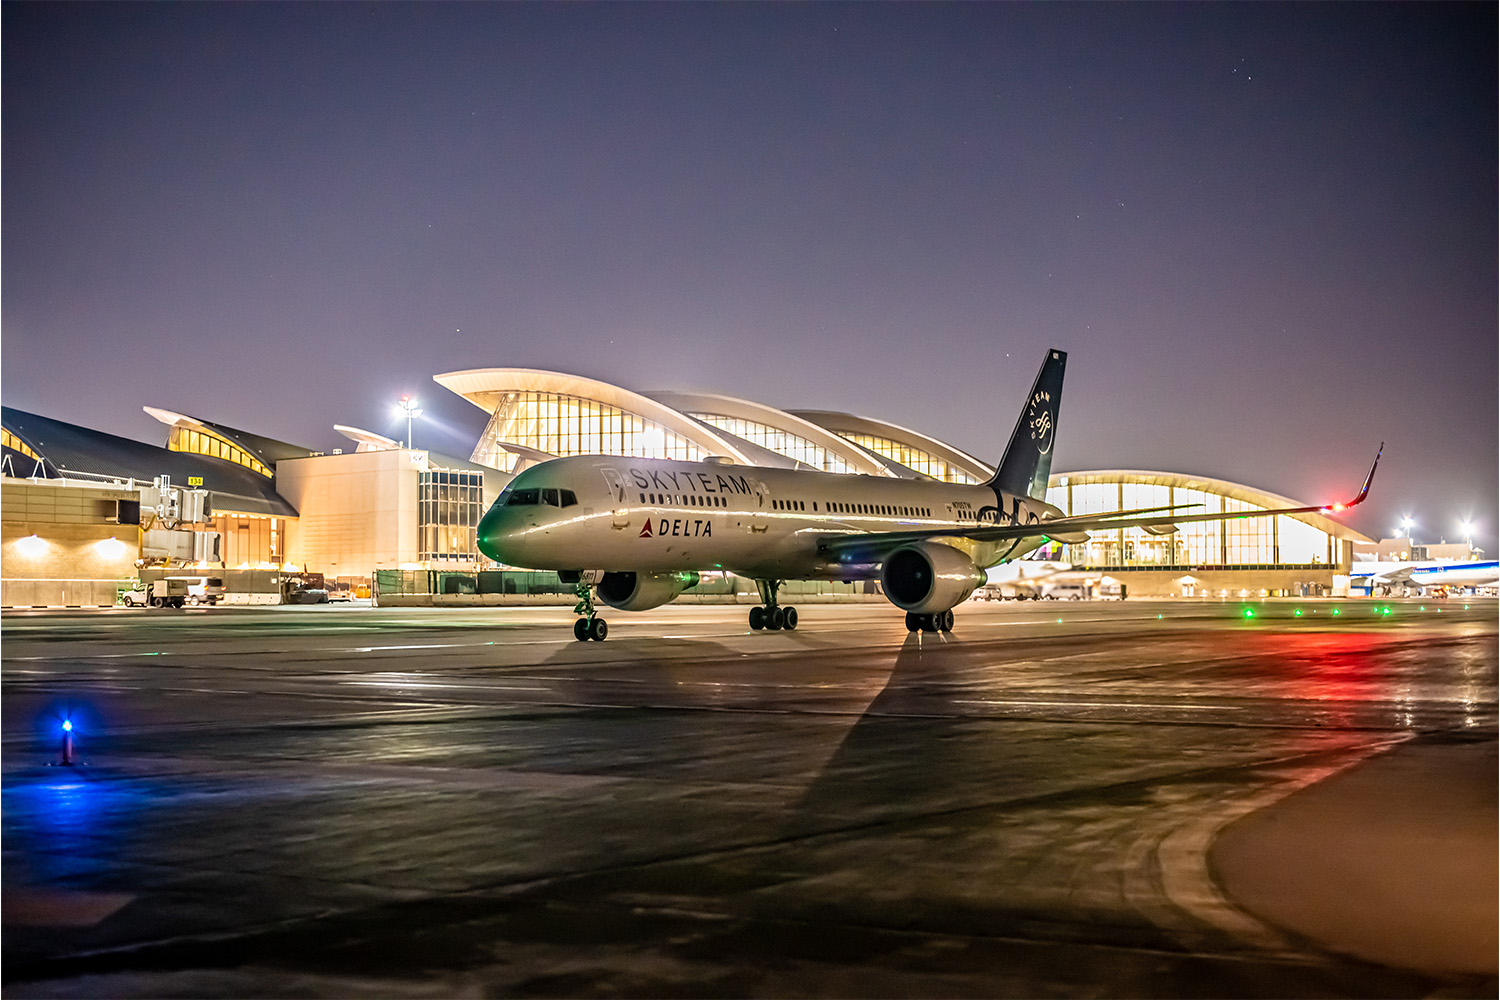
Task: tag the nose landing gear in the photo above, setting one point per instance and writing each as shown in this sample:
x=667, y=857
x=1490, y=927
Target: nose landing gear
x=589, y=626
x=771, y=616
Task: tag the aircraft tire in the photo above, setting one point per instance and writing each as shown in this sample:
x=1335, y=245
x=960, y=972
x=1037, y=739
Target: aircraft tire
x=789, y=618
x=913, y=622
x=775, y=618
x=757, y=618
x=930, y=623
x=945, y=620
x=581, y=629
x=598, y=630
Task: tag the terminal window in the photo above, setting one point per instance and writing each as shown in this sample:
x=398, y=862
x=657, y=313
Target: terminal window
x=449, y=505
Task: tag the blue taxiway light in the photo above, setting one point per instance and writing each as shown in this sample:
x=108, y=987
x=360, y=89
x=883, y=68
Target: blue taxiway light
x=67, y=725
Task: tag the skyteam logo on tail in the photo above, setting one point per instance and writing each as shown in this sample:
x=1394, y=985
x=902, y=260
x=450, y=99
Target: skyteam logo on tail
x=1039, y=419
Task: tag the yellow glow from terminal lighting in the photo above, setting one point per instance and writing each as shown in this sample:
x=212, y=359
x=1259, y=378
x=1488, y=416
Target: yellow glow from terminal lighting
x=110, y=548
x=32, y=546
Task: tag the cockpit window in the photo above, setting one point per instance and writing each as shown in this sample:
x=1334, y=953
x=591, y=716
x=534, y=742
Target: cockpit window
x=541, y=495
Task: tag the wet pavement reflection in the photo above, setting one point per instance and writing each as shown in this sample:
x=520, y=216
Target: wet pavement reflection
x=407, y=802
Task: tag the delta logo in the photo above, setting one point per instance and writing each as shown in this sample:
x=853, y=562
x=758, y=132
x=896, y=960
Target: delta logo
x=684, y=527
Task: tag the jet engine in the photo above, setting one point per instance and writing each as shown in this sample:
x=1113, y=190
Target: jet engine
x=642, y=591
x=929, y=576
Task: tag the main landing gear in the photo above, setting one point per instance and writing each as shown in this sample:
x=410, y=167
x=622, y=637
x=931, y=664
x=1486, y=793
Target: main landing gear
x=771, y=616
x=938, y=621
x=588, y=627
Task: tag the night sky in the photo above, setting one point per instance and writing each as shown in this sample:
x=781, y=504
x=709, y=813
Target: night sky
x=1266, y=235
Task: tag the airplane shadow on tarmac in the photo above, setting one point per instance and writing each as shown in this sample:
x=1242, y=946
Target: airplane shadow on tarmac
x=822, y=746
x=911, y=742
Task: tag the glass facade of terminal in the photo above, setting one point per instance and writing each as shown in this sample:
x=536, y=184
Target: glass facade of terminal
x=449, y=505
x=563, y=425
x=202, y=442
x=14, y=443
x=913, y=458
x=1255, y=542
x=775, y=439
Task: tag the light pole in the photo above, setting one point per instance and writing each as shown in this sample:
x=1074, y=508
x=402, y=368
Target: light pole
x=1467, y=527
x=1406, y=525
x=407, y=406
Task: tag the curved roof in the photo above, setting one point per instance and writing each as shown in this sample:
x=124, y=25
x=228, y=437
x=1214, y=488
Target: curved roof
x=268, y=450
x=70, y=448
x=1221, y=487
x=485, y=387
x=842, y=423
x=743, y=409
x=367, y=440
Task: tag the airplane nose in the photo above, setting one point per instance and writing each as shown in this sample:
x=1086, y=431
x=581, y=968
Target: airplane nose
x=492, y=531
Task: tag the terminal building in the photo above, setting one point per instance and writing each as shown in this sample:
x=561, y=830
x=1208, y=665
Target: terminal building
x=378, y=510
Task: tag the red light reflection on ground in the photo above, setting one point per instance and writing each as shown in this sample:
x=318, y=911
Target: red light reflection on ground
x=1332, y=665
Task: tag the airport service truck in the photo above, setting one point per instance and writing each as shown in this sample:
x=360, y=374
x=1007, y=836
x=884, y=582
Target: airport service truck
x=161, y=594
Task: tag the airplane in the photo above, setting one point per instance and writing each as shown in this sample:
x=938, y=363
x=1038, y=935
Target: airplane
x=637, y=532
x=1431, y=573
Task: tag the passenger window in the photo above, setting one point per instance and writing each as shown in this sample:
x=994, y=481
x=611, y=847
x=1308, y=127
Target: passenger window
x=569, y=498
x=549, y=497
x=522, y=498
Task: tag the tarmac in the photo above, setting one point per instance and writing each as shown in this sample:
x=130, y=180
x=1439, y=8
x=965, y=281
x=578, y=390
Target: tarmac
x=1125, y=799
x=1392, y=860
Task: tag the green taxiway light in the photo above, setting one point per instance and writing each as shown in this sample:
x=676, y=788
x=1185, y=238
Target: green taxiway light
x=1335, y=610
x=1386, y=611
x=1249, y=613
x=1298, y=612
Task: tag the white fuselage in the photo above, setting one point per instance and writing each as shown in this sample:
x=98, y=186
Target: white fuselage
x=645, y=515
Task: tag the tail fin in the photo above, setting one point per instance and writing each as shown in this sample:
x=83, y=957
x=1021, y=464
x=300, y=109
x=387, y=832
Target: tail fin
x=1028, y=458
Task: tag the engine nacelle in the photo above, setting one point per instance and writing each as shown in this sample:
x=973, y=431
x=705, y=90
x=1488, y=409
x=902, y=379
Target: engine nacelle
x=642, y=591
x=929, y=576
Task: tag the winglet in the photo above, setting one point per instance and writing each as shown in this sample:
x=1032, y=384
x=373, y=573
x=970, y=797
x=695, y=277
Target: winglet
x=1364, y=490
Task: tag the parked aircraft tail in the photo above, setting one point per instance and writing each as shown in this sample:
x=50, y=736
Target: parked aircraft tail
x=1028, y=458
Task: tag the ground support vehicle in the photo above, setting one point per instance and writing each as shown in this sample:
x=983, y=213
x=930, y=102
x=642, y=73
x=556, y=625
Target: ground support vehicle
x=161, y=594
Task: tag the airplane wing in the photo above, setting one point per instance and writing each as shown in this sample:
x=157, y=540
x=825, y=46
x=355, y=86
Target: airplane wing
x=1067, y=529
